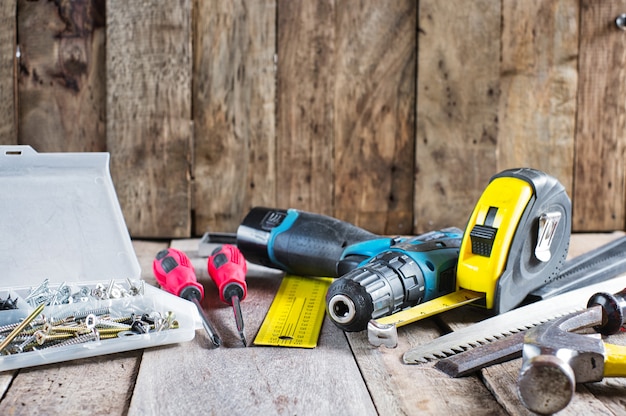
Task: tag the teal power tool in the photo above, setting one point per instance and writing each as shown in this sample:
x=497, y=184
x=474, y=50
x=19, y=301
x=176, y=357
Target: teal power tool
x=306, y=244
x=410, y=272
x=379, y=275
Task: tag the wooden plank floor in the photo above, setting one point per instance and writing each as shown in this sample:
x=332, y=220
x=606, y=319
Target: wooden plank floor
x=343, y=375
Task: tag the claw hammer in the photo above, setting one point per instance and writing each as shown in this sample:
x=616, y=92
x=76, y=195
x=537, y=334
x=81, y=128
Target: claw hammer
x=555, y=357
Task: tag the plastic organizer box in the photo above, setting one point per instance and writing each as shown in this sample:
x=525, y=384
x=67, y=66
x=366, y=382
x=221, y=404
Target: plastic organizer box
x=65, y=244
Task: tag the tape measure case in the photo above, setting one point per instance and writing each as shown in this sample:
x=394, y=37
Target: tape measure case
x=63, y=227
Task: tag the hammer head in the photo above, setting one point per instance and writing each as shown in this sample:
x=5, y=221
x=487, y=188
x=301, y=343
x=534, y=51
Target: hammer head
x=554, y=359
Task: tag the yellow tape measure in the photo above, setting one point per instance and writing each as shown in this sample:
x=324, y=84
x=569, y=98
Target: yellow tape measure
x=384, y=331
x=431, y=308
x=296, y=314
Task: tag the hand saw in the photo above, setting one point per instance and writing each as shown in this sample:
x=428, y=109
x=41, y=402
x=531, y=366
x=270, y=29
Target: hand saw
x=514, y=321
x=516, y=241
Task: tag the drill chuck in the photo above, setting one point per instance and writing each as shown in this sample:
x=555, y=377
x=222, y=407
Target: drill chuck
x=408, y=273
x=390, y=282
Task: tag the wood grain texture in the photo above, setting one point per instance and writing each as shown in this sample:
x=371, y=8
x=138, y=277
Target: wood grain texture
x=148, y=73
x=397, y=388
x=538, y=85
x=234, y=111
x=599, y=176
x=105, y=382
x=254, y=380
x=374, y=114
x=305, y=99
x=62, y=102
x=457, y=109
x=8, y=78
x=392, y=116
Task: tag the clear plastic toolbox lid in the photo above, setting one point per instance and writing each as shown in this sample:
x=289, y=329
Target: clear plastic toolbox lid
x=60, y=219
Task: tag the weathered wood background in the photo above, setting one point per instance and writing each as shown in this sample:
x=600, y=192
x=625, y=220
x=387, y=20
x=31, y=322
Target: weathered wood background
x=391, y=115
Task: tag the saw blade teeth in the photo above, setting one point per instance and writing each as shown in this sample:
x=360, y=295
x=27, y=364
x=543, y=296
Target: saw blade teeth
x=460, y=348
x=520, y=319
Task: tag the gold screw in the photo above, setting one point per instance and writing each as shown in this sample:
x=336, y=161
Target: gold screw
x=21, y=326
x=41, y=337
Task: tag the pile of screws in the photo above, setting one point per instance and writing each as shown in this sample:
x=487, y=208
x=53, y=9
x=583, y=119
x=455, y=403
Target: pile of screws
x=81, y=322
x=82, y=327
x=65, y=294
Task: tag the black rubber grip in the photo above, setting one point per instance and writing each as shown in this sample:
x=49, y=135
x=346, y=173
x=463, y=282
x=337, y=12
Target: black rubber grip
x=311, y=246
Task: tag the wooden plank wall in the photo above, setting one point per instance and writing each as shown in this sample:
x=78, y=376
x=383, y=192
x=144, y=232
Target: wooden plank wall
x=8, y=87
x=390, y=115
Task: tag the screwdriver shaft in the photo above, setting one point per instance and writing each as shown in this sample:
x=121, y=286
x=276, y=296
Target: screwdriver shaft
x=239, y=319
x=215, y=339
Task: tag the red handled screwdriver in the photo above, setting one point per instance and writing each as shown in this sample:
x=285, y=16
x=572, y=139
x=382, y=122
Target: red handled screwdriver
x=175, y=273
x=227, y=268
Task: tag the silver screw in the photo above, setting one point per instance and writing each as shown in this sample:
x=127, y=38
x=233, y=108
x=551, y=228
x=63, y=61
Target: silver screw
x=620, y=21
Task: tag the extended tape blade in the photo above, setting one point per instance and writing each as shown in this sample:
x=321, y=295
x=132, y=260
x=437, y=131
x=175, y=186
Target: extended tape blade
x=510, y=322
x=295, y=316
x=430, y=308
x=383, y=331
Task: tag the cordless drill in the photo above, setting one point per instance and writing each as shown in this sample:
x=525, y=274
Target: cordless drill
x=379, y=275
x=306, y=244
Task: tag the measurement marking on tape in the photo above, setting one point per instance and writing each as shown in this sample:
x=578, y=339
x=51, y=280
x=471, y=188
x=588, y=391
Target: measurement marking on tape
x=431, y=307
x=295, y=316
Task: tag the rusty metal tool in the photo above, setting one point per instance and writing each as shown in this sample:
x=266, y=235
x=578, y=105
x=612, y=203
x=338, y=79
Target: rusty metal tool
x=510, y=347
x=515, y=321
x=472, y=360
x=555, y=357
x=593, y=272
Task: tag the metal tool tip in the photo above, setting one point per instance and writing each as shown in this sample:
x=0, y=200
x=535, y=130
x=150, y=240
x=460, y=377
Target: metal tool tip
x=243, y=339
x=449, y=367
x=216, y=340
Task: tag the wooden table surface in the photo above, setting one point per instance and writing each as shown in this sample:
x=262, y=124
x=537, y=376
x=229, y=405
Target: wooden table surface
x=343, y=375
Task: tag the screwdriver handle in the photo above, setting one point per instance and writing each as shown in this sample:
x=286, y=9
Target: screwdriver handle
x=175, y=274
x=227, y=267
x=613, y=311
